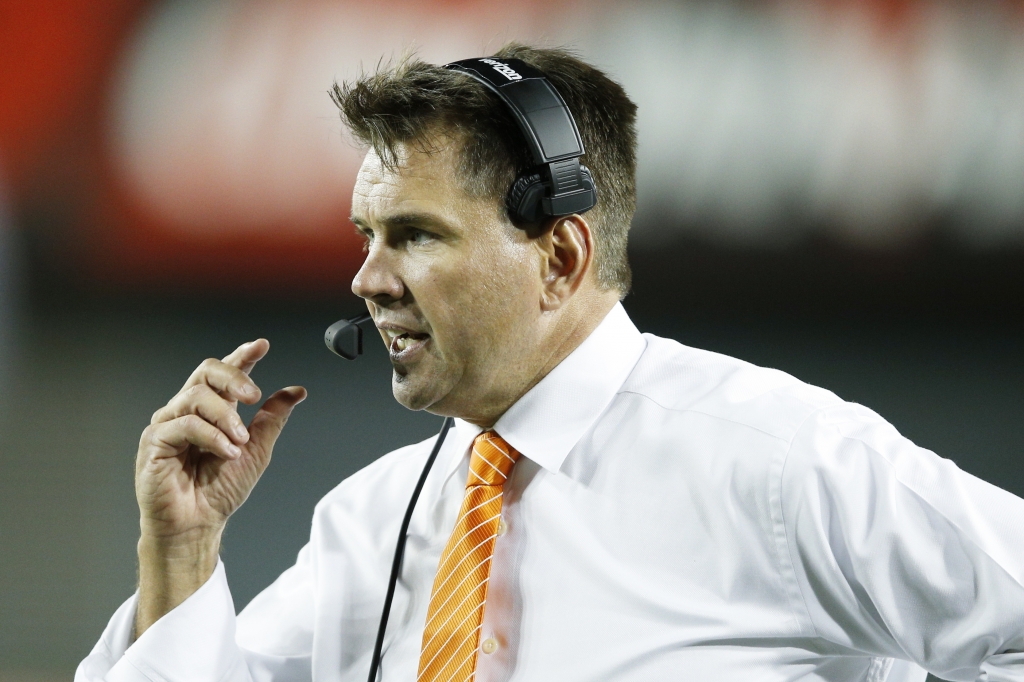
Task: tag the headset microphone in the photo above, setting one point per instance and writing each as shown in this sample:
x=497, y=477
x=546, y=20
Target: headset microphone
x=345, y=337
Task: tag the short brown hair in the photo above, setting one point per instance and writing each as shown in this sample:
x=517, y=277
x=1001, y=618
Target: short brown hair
x=410, y=100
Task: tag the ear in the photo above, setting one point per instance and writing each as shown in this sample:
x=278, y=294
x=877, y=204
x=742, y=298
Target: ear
x=567, y=255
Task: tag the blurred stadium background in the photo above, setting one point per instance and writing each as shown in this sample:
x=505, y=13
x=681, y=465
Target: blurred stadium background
x=831, y=187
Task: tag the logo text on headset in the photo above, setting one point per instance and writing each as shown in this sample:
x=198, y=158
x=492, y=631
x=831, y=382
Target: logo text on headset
x=504, y=69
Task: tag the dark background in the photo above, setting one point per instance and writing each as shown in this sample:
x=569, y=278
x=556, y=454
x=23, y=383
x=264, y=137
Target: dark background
x=834, y=189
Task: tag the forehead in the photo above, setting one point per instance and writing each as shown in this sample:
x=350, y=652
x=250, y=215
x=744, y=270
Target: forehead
x=419, y=179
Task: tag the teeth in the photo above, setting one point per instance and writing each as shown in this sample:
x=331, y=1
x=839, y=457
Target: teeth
x=402, y=341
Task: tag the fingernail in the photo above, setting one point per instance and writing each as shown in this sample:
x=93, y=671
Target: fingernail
x=239, y=432
x=234, y=450
x=249, y=389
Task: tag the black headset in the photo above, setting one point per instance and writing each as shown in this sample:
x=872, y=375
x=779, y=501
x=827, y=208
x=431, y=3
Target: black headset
x=556, y=185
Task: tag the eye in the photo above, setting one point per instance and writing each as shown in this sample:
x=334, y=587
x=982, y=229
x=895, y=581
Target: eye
x=419, y=236
x=367, y=237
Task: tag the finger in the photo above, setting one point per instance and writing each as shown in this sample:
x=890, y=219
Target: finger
x=266, y=426
x=203, y=401
x=226, y=379
x=170, y=438
x=248, y=354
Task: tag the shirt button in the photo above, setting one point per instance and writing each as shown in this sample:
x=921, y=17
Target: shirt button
x=489, y=645
x=502, y=526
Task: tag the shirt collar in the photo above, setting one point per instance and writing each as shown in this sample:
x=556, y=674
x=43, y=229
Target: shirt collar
x=548, y=421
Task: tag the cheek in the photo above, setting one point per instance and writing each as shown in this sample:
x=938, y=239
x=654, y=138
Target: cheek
x=501, y=274
x=499, y=290
x=475, y=298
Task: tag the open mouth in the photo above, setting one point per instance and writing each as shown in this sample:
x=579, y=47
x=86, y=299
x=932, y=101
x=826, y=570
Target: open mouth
x=405, y=344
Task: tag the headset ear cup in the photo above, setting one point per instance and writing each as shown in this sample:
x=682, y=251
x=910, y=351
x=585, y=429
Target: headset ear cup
x=524, y=199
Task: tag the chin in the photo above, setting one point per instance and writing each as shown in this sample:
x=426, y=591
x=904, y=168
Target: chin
x=412, y=394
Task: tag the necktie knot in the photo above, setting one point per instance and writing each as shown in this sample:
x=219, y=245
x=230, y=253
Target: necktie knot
x=491, y=461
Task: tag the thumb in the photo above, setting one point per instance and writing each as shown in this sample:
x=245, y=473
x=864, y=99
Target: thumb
x=266, y=426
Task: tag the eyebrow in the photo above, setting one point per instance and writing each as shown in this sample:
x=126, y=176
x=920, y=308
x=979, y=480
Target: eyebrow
x=400, y=219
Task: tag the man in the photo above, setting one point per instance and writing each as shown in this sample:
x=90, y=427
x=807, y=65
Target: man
x=608, y=506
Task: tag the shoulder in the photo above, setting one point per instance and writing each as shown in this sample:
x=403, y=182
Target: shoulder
x=679, y=378
x=816, y=434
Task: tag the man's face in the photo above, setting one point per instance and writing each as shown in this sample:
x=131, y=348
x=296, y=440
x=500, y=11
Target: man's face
x=452, y=285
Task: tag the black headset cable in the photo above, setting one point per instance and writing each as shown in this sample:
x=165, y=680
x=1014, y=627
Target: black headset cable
x=396, y=565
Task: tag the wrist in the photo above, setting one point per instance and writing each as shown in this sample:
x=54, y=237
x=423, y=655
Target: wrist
x=193, y=554
x=171, y=569
x=190, y=544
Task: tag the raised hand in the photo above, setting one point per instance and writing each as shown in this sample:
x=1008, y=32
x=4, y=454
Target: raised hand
x=197, y=463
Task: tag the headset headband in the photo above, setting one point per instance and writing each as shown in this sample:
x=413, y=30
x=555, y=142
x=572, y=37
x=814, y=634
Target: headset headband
x=546, y=123
x=538, y=108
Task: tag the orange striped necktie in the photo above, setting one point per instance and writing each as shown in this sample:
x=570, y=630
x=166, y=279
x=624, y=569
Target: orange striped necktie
x=452, y=635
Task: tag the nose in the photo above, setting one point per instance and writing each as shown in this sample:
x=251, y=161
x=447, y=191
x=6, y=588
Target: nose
x=377, y=279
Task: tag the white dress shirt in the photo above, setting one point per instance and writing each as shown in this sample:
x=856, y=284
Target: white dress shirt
x=676, y=515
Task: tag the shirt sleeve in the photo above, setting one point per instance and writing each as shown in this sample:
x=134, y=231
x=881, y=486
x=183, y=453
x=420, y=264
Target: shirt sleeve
x=202, y=640
x=893, y=551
